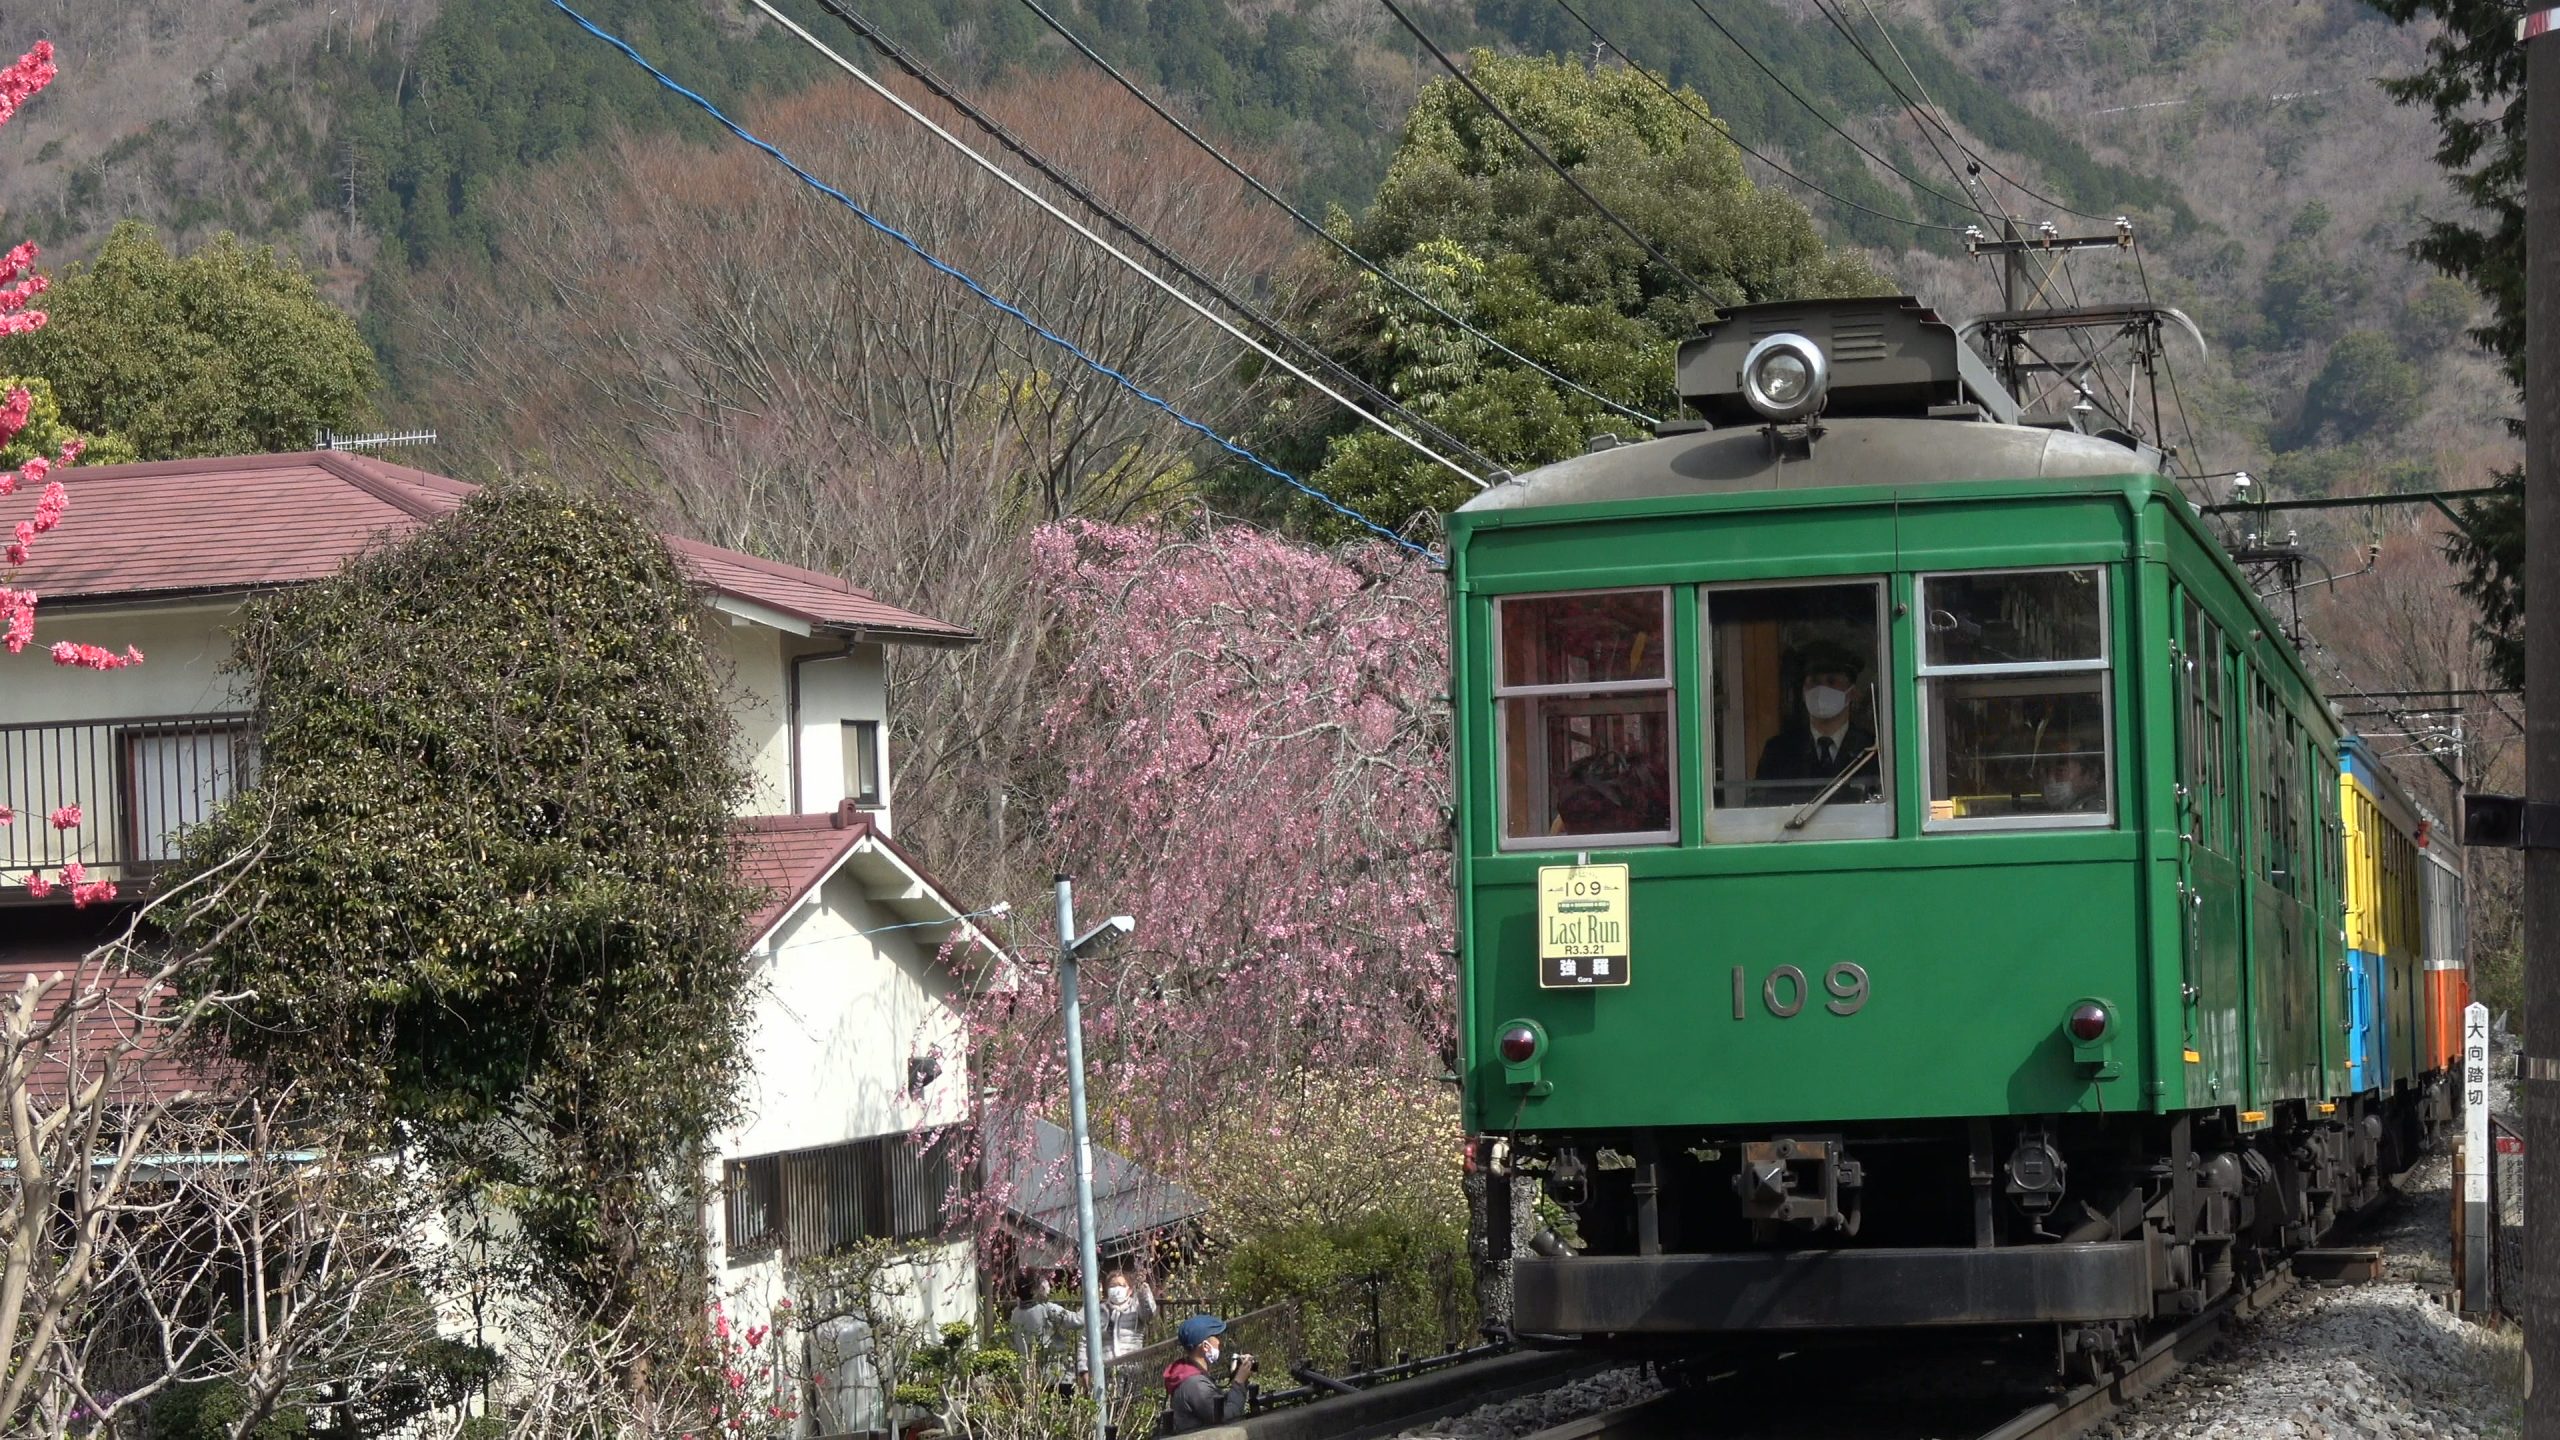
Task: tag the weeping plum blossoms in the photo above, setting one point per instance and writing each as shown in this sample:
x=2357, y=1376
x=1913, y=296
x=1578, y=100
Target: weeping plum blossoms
x=1252, y=747
x=19, y=287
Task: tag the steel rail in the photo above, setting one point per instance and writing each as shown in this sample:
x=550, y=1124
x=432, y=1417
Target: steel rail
x=2088, y=1406
x=2075, y=1412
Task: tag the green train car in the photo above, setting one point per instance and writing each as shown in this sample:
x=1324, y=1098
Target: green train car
x=1902, y=879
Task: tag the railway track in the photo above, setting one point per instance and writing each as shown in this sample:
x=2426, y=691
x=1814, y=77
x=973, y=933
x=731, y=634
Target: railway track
x=1823, y=1398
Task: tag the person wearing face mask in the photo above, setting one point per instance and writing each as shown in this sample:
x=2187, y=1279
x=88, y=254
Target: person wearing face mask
x=2068, y=786
x=1193, y=1401
x=1837, y=732
x=1127, y=1309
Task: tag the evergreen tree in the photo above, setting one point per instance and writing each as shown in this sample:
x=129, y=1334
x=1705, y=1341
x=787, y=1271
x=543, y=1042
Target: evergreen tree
x=1470, y=218
x=230, y=350
x=494, y=906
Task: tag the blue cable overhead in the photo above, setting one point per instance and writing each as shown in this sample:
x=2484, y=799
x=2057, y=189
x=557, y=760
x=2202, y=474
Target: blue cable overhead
x=983, y=293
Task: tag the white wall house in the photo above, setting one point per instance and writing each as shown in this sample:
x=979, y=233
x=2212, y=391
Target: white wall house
x=859, y=1061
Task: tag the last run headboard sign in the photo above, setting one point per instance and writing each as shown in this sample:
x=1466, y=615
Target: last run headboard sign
x=1582, y=926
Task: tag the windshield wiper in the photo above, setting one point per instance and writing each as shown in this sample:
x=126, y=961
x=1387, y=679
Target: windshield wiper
x=1810, y=808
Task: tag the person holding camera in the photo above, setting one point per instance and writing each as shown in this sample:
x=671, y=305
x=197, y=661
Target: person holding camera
x=1193, y=1400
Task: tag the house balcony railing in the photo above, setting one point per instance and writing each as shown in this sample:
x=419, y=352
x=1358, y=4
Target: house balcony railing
x=139, y=784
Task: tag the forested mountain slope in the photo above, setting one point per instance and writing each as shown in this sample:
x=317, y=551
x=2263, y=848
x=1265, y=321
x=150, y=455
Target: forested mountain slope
x=2274, y=185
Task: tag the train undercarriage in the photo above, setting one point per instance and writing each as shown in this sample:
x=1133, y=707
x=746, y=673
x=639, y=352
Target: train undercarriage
x=2090, y=1226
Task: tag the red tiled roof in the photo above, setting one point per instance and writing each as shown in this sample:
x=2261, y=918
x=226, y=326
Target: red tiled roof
x=786, y=856
x=168, y=528
x=150, y=1071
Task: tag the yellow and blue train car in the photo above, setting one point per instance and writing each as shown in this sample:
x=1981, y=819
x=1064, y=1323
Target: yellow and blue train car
x=2407, y=979
x=2389, y=1042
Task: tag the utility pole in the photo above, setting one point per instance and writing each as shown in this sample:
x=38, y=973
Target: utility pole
x=2539, y=1076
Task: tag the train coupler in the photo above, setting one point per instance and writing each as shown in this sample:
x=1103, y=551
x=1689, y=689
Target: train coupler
x=1809, y=1182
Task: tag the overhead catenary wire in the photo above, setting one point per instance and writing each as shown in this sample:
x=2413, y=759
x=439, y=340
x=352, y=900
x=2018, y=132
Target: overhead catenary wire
x=1840, y=24
x=1726, y=133
x=913, y=247
x=1178, y=294
x=1494, y=108
x=1313, y=226
x=1916, y=183
x=1969, y=152
x=898, y=55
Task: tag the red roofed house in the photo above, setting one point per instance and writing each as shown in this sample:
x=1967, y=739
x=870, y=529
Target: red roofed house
x=860, y=1058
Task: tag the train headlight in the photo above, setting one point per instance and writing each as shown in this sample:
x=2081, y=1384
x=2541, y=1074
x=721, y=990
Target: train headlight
x=1785, y=377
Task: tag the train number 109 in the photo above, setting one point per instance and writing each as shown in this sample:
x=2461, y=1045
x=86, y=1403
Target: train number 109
x=1784, y=990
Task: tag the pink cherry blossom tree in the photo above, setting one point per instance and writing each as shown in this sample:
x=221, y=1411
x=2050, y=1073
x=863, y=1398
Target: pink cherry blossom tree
x=19, y=288
x=1251, y=752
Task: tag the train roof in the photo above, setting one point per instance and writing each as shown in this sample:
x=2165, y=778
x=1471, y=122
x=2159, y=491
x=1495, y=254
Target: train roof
x=1896, y=451
x=2358, y=758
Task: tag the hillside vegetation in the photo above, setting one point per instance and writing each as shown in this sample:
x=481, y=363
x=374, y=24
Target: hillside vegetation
x=2274, y=184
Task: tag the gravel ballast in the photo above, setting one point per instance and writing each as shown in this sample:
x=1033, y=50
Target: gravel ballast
x=1532, y=1413
x=2379, y=1361
x=2360, y=1362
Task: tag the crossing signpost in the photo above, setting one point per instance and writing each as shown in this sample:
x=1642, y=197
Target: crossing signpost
x=2477, y=1234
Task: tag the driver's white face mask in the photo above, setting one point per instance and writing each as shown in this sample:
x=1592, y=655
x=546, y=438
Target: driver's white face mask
x=1824, y=702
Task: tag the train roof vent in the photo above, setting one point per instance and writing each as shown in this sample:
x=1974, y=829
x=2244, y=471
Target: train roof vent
x=1886, y=355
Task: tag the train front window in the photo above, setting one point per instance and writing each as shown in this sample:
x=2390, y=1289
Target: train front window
x=1801, y=746
x=2013, y=681
x=1584, y=687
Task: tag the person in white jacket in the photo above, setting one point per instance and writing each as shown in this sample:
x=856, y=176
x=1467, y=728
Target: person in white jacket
x=1128, y=1307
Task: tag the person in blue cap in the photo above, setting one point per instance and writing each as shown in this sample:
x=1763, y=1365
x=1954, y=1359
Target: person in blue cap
x=1194, y=1400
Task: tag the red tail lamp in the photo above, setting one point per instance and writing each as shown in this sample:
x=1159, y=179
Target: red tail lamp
x=1519, y=1045
x=2088, y=1022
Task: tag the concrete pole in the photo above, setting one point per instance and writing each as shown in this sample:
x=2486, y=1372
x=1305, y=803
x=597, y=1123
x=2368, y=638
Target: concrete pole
x=1088, y=1259
x=2540, y=1077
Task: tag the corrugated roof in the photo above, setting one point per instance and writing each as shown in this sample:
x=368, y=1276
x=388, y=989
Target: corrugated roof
x=1035, y=1168
x=165, y=529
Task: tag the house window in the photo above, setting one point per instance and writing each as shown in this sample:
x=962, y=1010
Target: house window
x=1801, y=747
x=2013, y=697
x=1583, y=686
x=862, y=765
x=174, y=775
x=820, y=1200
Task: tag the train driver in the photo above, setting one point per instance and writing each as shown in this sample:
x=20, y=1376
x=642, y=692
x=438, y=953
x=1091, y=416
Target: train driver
x=1838, y=731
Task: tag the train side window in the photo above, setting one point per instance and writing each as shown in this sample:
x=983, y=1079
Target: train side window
x=2189, y=690
x=2217, y=755
x=1800, y=743
x=1583, y=685
x=2013, y=699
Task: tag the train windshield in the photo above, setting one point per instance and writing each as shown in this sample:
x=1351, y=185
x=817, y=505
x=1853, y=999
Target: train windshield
x=1800, y=744
x=2013, y=680
x=1587, y=728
